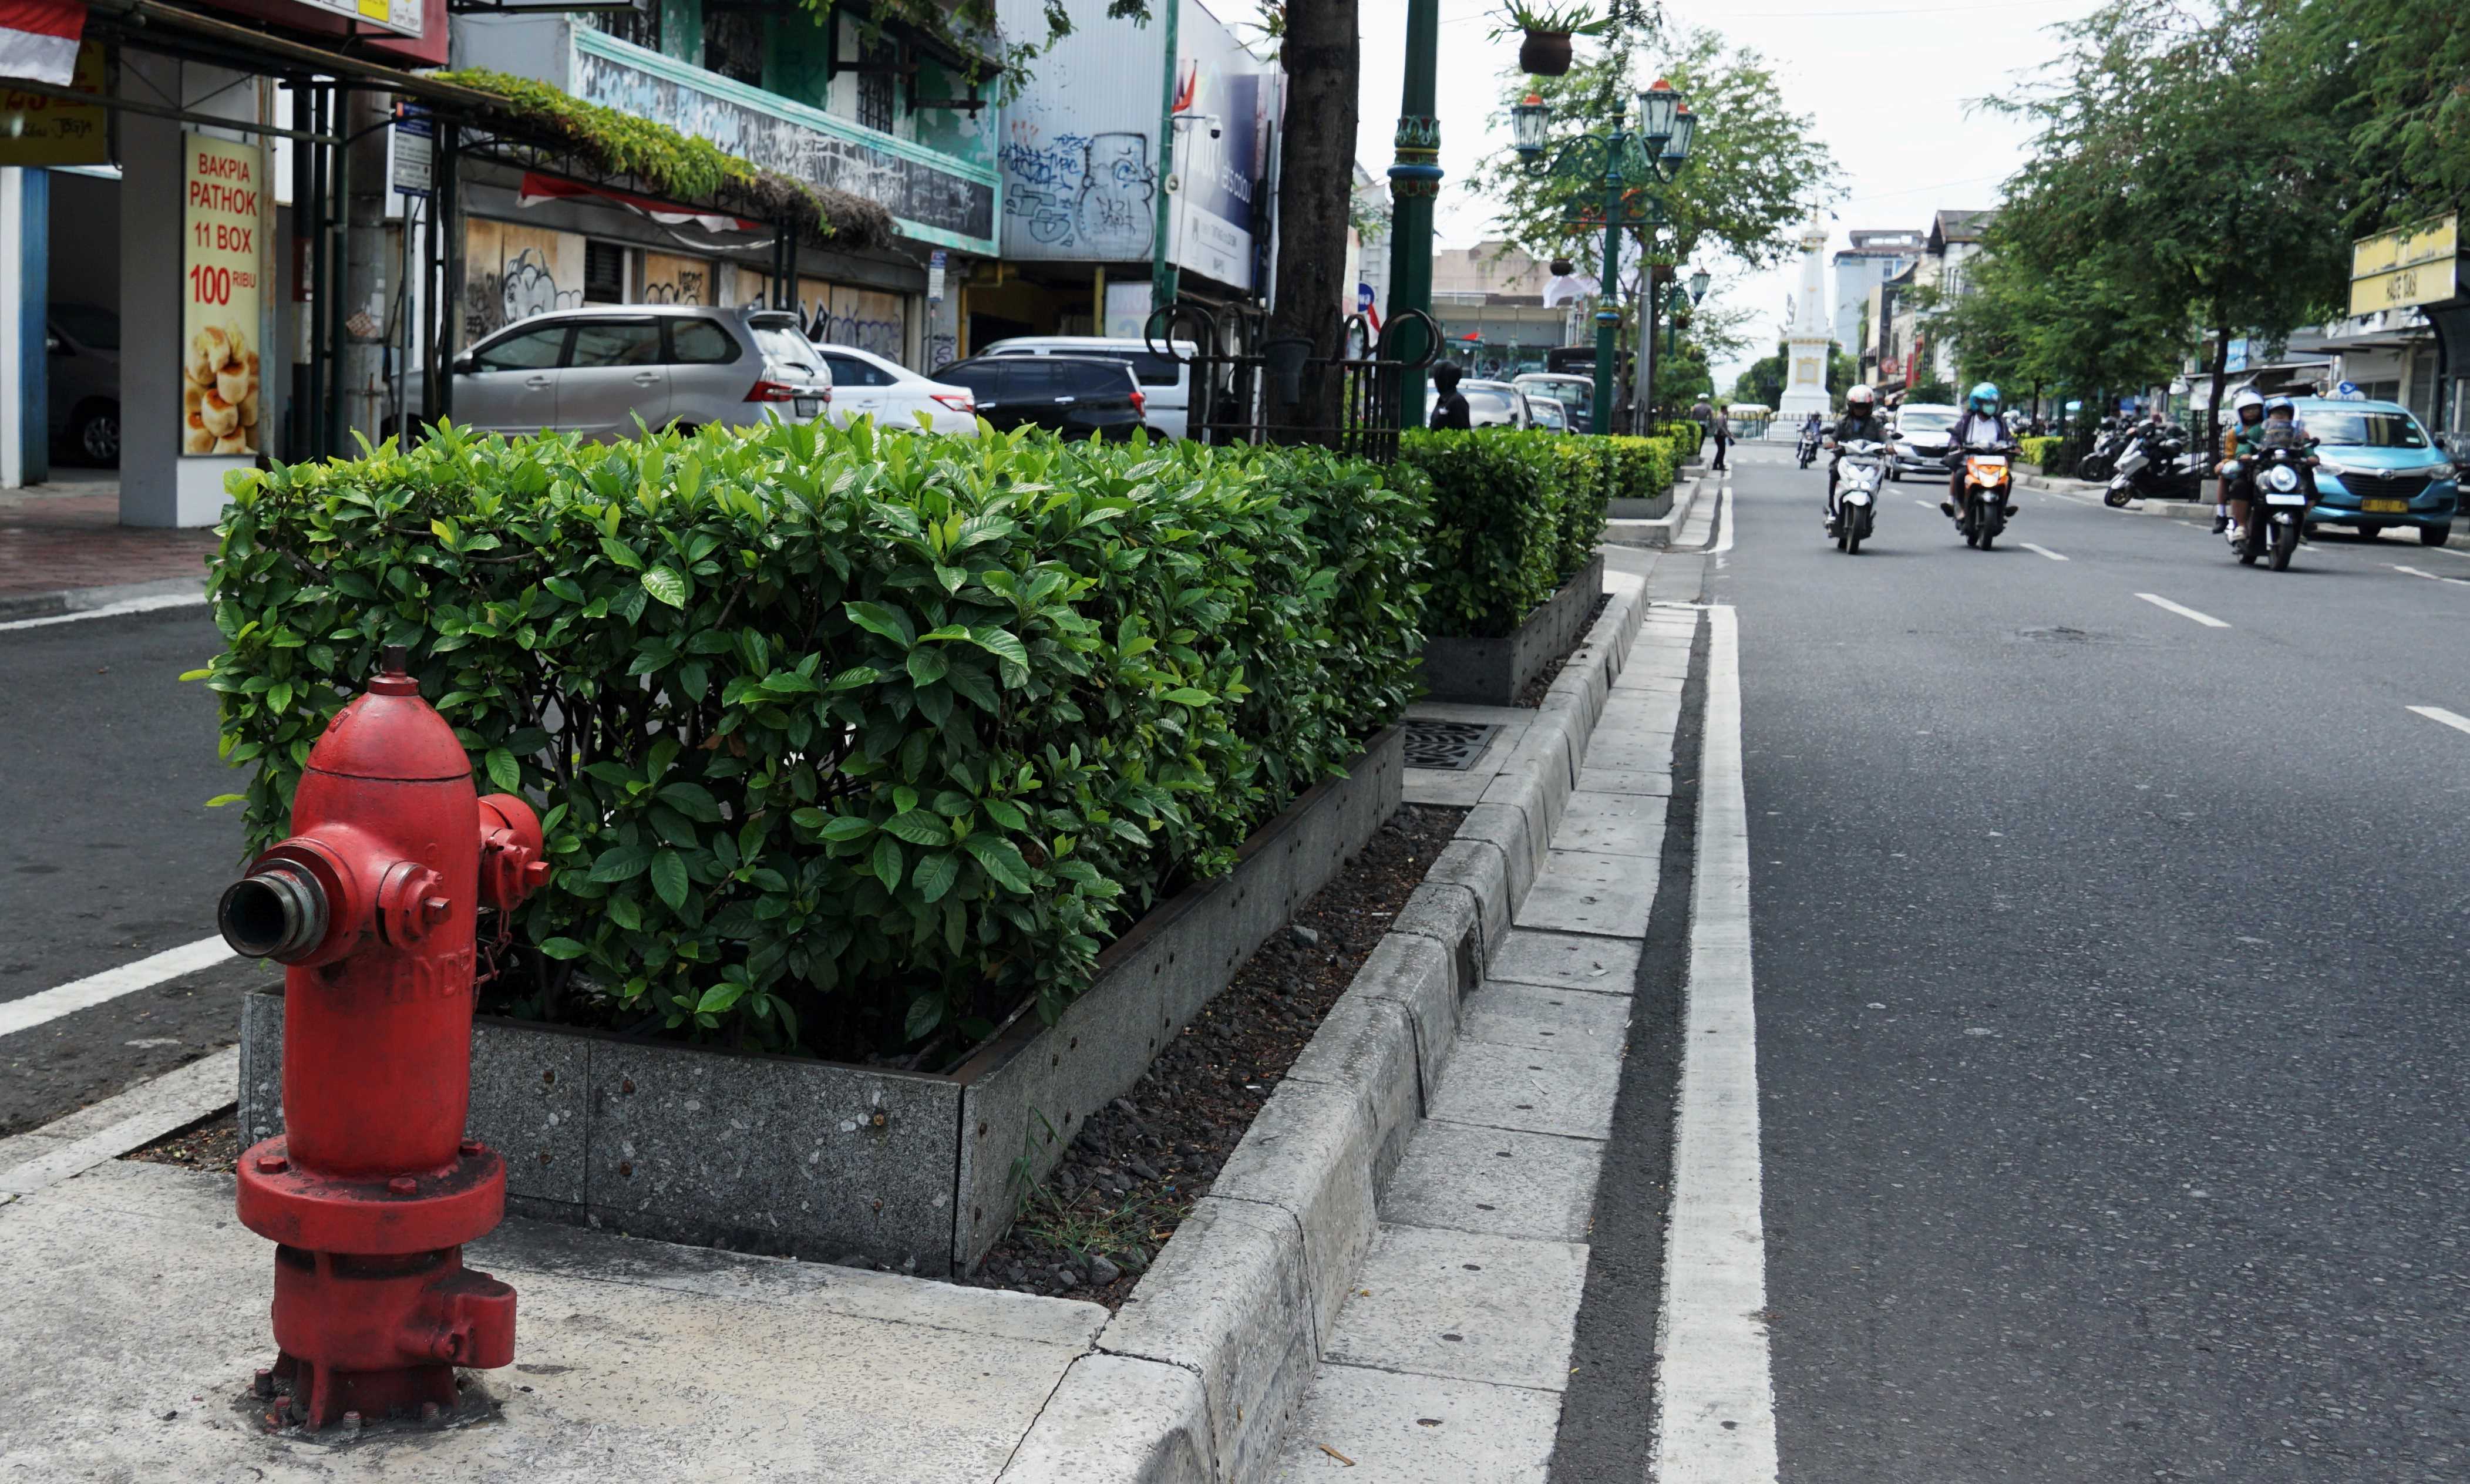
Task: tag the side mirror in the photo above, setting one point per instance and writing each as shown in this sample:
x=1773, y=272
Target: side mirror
x=53, y=345
x=465, y=364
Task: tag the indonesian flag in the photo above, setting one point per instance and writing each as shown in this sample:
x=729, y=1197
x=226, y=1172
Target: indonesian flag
x=38, y=40
x=538, y=188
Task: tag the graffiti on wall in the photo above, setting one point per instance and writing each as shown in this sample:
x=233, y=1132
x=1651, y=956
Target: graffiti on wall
x=675, y=280
x=514, y=272
x=912, y=189
x=1089, y=195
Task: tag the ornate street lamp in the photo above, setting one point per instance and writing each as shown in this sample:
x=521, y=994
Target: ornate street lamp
x=1628, y=165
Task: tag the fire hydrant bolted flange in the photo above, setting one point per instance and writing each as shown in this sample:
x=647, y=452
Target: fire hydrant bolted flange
x=372, y=1189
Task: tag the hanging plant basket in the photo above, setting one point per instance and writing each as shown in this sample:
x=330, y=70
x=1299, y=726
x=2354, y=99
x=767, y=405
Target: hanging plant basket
x=1563, y=267
x=1545, y=52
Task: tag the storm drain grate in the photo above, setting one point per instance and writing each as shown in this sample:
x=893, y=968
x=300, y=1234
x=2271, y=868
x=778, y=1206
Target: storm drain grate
x=1448, y=745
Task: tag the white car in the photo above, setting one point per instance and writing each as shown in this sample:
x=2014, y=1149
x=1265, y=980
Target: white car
x=894, y=395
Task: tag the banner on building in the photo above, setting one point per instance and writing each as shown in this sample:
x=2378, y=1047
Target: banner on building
x=38, y=128
x=222, y=277
x=2419, y=264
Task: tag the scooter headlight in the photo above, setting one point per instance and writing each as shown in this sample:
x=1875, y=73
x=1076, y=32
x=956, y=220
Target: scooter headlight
x=2280, y=479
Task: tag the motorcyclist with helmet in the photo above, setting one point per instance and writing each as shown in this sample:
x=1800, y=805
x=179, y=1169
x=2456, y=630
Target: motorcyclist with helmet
x=1860, y=423
x=1982, y=428
x=2241, y=442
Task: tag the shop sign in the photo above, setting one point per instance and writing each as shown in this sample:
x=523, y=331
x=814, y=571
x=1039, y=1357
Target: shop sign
x=222, y=273
x=936, y=265
x=2415, y=265
x=403, y=17
x=37, y=128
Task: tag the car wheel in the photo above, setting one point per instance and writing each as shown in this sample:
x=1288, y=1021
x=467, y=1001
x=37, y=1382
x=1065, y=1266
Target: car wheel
x=98, y=435
x=2436, y=535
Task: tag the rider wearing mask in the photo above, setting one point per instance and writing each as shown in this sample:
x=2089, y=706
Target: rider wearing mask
x=1982, y=427
x=2240, y=442
x=1861, y=422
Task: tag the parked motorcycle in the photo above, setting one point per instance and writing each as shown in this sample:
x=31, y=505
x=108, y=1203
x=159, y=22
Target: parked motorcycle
x=2110, y=439
x=1989, y=494
x=1809, y=447
x=1860, y=469
x=2280, y=488
x=2156, y=465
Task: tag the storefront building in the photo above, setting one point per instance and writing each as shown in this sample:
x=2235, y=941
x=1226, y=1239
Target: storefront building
x=1079, y=159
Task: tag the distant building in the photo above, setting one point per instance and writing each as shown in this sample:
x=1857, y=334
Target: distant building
x=1494, y=292
x=1874, y=258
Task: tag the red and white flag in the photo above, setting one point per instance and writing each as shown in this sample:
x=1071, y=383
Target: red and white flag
x=38, y=40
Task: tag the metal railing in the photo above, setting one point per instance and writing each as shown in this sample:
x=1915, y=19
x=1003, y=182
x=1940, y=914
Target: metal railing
x=1250, y=386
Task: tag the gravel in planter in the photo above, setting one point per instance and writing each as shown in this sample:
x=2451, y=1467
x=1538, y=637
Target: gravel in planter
x=211, y=1142
x=1139, y=1165
x=1534, y=695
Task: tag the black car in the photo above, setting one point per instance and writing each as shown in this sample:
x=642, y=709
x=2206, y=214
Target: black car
x=1074, y=396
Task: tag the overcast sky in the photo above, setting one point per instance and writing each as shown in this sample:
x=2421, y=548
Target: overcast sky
x=1886, y=85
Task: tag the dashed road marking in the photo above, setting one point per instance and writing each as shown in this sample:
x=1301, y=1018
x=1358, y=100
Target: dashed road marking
x=2437, y=714
x=2182, y=611
x=2430, y=576
x=2044, y=550
x=170, y=963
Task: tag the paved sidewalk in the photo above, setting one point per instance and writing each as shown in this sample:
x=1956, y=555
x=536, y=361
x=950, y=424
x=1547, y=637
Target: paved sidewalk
x=66, y=537
x=135, y=1306
x=1450, y=1355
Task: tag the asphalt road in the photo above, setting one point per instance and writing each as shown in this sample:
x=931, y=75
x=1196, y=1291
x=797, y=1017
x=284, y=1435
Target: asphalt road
x=2111, y=973
x=112, y=854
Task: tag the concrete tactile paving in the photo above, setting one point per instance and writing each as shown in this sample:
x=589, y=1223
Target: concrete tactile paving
x=1458, y=1304
x=1600, y=965
x=1454, y=1177
x=1613, y=824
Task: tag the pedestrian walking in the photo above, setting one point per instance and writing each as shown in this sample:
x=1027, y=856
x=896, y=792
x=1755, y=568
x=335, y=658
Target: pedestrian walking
x=1449, y=408
x=1723, y=442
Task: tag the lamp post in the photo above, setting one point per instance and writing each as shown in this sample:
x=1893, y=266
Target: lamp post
x=1414, y=186
x=1655, y=154
x=1681, y=298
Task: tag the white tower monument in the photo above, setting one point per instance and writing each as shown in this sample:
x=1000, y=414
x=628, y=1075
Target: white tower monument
x=1806, y=338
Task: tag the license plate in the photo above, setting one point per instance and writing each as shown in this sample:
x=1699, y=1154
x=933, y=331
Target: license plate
x=808, y=407
x=2383, y=507
x=2300, y=500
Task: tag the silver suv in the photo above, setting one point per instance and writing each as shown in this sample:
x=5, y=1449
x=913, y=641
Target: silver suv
x=595, y=371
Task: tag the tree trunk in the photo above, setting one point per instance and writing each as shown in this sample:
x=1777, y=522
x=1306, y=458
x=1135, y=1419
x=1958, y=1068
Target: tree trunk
x=2221, y=371
x=1315, y=195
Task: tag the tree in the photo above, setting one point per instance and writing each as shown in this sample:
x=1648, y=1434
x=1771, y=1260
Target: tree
x=2399, y=66
x=2176, y=136
x=1319, y=50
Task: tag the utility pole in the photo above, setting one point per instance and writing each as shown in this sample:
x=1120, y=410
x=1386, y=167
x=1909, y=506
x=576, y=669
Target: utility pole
x=1162, y=272
x=1414, y=185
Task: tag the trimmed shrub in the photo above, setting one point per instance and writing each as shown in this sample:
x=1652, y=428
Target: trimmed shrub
x=1685, y=434
x=848, y=739
x=1640, y=468
x=2037, y=450
x=1517, y=514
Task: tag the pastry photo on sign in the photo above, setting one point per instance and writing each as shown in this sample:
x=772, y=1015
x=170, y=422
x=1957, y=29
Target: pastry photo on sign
x=219, y=396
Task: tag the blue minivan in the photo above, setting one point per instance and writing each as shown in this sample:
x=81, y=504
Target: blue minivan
x=2380, y=469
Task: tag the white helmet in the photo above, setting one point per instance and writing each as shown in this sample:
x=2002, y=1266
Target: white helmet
x=2248, y=397
x=1860, y=396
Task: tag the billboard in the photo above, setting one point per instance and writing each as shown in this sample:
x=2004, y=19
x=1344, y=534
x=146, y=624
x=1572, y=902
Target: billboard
x=222, y=277
x=2419, y=264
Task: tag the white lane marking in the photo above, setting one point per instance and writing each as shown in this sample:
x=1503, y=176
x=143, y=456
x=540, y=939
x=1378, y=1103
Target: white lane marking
x=2437, y=714
x=2044, y=550
x=143, y=605
x=138, y=1117
x=1925, y=504
x=1724, y=520
x=2430, y=576
x=34, y=1010
x=1714, y=1394
x=2182, y=611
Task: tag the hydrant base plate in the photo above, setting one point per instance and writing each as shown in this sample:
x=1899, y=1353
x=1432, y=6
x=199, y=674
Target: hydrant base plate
x=302, y=1208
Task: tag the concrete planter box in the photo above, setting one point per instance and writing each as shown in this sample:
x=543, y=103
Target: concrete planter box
x=824, y=1159
x=1652, y=509
x=1493, y=671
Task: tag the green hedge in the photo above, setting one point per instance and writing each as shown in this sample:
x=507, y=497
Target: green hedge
x=2037, y=450
x=848, y=739
x=1517, y=514
x=1685, y=435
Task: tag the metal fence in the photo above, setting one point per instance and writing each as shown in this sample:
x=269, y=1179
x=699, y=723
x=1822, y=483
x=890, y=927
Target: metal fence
x=1251, y=387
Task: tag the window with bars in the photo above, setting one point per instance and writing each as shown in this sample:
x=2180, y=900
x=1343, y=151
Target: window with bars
x=732, y=43
x=604, y=273
x=642, y=27
x=875, y=86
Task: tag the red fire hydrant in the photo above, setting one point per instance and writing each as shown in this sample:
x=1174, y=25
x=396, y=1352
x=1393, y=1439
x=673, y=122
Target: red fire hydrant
x=372, y=1189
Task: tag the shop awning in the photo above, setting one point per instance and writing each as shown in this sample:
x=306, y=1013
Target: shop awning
x=538, y=188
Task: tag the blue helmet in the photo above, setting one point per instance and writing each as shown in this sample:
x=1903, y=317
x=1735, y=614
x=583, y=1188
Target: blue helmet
x=1984, y=397
x=2275, y=404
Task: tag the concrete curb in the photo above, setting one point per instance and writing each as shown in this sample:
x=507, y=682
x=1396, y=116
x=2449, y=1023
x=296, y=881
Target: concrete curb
x=1196, y=1378
x=80, y=600
x=2091, y=495
x=1657, y=534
